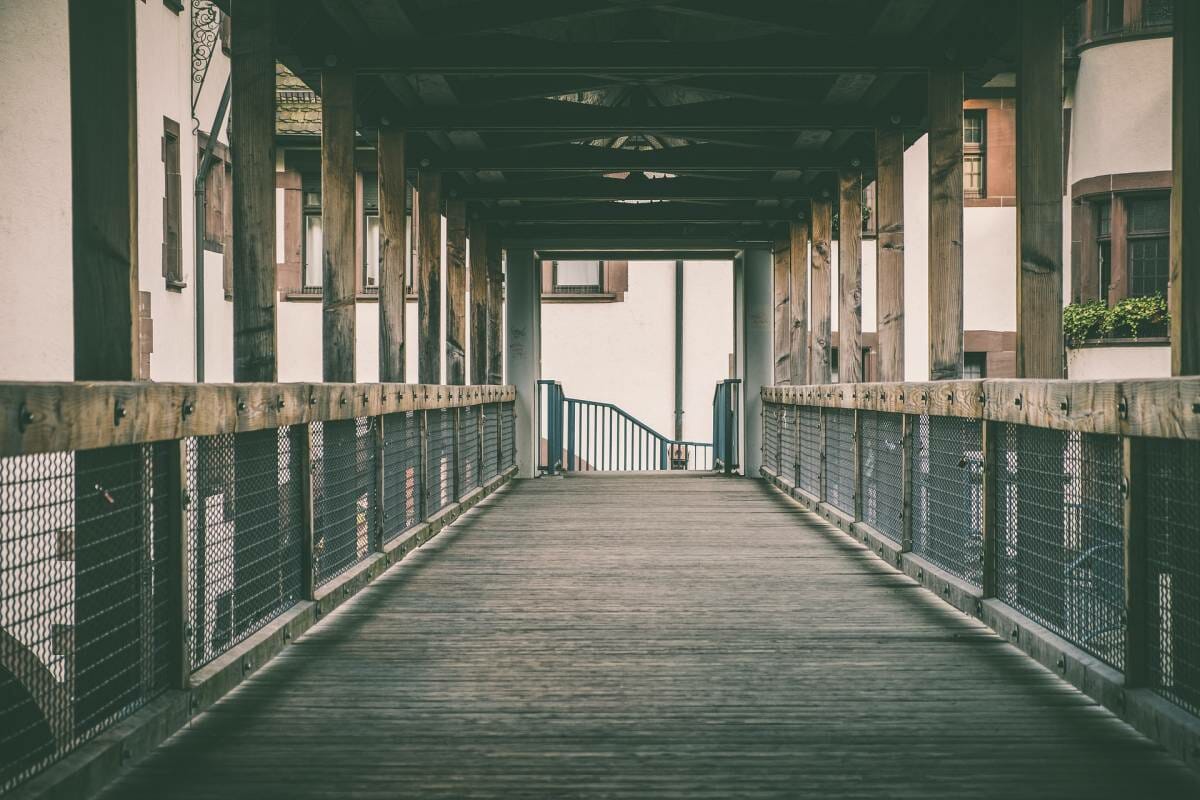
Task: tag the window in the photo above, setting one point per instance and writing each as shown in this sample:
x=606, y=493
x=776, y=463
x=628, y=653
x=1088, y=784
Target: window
x=172, y=247
x=1110, y=15
x=370, y=277
x=1157, y=12
x=313, y=245
x=974, y=152
x=1103, y=213
x=1149, y=218
x=974, y=366
x=578, y=277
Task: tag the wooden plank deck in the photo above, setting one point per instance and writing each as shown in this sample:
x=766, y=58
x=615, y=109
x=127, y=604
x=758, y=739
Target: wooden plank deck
x=652, y=636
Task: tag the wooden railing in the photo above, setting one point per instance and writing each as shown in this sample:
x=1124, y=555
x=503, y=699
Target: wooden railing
x=1064, y=514
x=159, y=542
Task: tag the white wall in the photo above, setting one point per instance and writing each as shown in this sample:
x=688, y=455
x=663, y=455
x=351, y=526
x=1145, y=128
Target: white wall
x=218, y=322
x=707, y=341
x=1122, y=109
x=1114, y=363
x=37, y=326
x=299, y=325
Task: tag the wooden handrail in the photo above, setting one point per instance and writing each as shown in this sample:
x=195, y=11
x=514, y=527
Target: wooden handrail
x=51, y=417
x=1164, y=408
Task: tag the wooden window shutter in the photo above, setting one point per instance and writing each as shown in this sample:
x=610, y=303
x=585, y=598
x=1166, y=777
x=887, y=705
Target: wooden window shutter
x=172, y=248
x=616, y=277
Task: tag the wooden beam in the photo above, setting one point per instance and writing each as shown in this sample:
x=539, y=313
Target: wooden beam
x=889, y=281
x=782, y=293
x=393, y=253
x=337, y=223
x=104, y=202
x=946, y=223
x=850, y=363
x=456, y=291
x=1184, y=288
x=636, y=187
x=608, y=213
x=429, y=276
x=798, y=238
x=589, y=158
x=822, y=236
x=495, y=307
x=1040, y=192
x=477, y=235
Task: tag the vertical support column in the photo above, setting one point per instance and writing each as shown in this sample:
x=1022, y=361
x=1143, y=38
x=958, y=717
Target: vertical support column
x=822, y=281
x=757, y=337
x=1040, y=191
x=1184, y=291
x=782, y=290
x=393, y=253
x=850, y=366
x=889, y=274
x=456, y=292
x=429, y=277
x=524, y=346
x=337, y=223
x=946, y=223
x=495, y=305
x=1136, y=584
x=798, y=314
x=479, y=303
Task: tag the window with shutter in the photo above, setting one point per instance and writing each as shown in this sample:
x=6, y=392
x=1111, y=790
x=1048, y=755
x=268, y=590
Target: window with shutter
x=172, y=248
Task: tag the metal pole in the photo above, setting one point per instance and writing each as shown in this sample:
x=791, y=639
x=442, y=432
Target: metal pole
x=678, y=350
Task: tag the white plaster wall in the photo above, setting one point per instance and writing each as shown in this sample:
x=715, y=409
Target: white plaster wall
x=300, y=354
x=37, y=326
x=707, y=341
x=218, y=322
x=989, y=269
x=916, y=261
x=1122, y=109
x=1115, y=363
x=366, y=343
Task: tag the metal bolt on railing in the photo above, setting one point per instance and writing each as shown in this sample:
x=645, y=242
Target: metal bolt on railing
x=188, y=408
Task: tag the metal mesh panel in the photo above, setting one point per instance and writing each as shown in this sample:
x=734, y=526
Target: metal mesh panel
x=947, y=494
x=344, y=501
x=1059, y=543
x=245, y=523
x=839, y=459
x=401, y=473
x=439, y=471
x=882, y=454
x=810, y=450
x=508, y=436
x=468, y=450
x=84, y=599
x=770, y=438
x=1172, y=526
x=491, y=441
x=789, y=444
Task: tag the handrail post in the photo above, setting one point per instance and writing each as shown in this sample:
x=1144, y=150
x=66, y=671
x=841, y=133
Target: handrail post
x=480, y=429
x=823, y=434
x=380, y=506
x=308, y=516
x=906, y=532
x=177, y=539
x=1136, y=568
x=456, y=459
x=989, y=436
x=424, y=425
x=856, y=443
x=570, y=465
x=663, y=460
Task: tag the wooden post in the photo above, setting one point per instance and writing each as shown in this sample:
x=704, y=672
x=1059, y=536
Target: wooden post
x=252, y=128
x=308, y=562
x=104, y=203
x=393, y=253
x=850, y=366
x=782, y=290
x=495, y=303
x=1040, y=191
x=479, y=303
x=1184, y=291
x=822, y=235
x=889, y=280
x=337, y=222
x=946, y=223
x=423, y=416
x=380, y=484
x=179, y=651
x=989, y=432
x=458, y=476
x=906, y=482
x=1136, y=585
x=856, y=441
x=429, y=277
x=456, y=292
x=799, y=304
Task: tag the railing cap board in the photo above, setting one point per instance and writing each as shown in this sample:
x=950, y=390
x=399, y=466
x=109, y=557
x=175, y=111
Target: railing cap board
x=1162, y=407
x=48, y=417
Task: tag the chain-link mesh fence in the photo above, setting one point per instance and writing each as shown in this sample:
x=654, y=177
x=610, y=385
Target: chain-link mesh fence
x=882, y=454
x=401, y=473
x=947, y=494
x=245, y=522
x=84, y=597
x=490, y=466
x=440, y=467
x=344, y=502
x=770, y=437
x=468, y=450
x=789, y=444
x=810, y=450
x=839, y=459
x=508, y=436
x=1059, y=535
x=1171, y=525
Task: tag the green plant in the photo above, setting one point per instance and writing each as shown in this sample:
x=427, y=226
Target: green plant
x=1083, y=320
x=1136, y=316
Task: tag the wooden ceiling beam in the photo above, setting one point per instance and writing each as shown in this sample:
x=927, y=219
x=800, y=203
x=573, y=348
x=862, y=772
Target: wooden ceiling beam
x=637, y=214
x=587, y=158
x=609, y=189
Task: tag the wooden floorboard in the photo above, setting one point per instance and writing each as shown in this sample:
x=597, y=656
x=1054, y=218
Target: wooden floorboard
x=652, y=636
